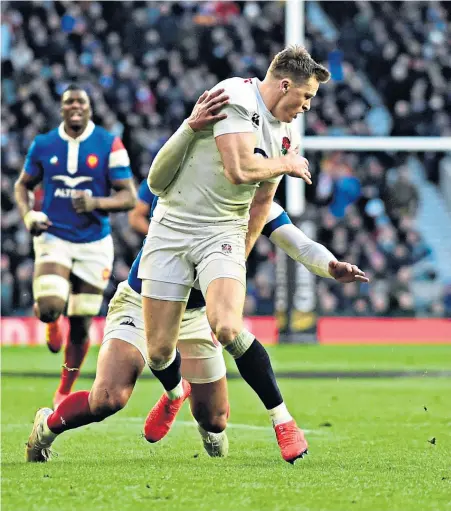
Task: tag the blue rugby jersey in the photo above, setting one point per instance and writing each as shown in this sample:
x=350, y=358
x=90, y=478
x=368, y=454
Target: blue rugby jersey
x=196, y=299
x=144, y=193
x=67, y=166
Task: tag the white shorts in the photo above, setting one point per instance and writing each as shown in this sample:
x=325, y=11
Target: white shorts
x=202, y=358
x=175, y=256
x=90, y=262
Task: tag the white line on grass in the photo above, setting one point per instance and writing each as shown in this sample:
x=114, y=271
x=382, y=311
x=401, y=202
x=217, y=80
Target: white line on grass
x=194, y=424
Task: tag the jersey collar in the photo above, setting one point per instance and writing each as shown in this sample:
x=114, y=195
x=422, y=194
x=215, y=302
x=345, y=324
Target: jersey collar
x=87, y=133
x=263, y=107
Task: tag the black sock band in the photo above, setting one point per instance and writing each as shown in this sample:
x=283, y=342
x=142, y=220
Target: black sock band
x=255, y=368
x=171, y=376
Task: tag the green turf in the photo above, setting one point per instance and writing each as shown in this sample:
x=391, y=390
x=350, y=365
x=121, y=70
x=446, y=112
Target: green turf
x=285, y=358
x=374, y=456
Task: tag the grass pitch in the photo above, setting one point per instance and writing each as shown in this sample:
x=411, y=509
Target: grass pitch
x=371, y=441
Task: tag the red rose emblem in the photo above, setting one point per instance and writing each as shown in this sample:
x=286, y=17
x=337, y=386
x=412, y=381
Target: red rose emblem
x=286, y=144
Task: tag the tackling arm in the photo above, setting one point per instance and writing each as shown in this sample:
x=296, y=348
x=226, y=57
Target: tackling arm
x=314, y=256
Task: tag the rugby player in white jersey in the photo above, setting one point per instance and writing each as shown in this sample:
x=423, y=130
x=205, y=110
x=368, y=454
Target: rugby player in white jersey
x=123, y=353
x=204, y=225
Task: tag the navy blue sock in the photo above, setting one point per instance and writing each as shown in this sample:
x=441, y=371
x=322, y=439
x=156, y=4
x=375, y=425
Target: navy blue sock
x=171, y=376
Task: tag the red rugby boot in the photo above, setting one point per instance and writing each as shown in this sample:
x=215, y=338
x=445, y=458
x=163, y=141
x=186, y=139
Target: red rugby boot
x=291, y=441
x=162, y=416
x=54, y=335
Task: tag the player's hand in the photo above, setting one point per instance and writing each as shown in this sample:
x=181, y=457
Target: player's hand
x=299, y=166
x=206, y=110
x=346, y=272
x=36, y=222
x=84, y=203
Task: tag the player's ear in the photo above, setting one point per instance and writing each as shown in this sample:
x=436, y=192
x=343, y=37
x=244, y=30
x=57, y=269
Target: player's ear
x=285, y=85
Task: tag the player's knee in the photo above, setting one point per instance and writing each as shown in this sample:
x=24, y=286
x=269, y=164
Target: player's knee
x=226, y=331
x=158, y=355
x=106, y=401
x=50, y=308
x=212, y=420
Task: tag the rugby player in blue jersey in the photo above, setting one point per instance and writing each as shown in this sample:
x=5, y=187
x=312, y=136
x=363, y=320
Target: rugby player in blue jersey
x=77, y=164
x=123, y=355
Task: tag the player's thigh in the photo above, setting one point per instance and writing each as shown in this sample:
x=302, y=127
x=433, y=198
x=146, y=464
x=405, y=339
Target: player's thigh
x=53, y=263
x=52, y=255
x=92, y=264
x=165, y=259
x=222, y=278
x=118, y=367
x=162, y=324
x=85, y=300
x=225, y=302
x=51, y=289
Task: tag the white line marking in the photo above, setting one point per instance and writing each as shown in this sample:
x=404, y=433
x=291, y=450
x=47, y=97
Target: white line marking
x=112, y=421
x=194, y=424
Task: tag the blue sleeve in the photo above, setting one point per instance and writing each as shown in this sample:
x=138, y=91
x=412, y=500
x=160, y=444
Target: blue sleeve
x=154, y=205
x=32, y=165
x=271, y=226
x=120, y=173
x=144, y=193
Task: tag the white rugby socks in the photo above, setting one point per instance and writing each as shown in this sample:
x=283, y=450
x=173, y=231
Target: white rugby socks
x=279, y=415
x=176, y=393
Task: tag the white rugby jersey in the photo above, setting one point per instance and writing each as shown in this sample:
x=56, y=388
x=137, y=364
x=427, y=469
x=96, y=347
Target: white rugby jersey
x=201, y=194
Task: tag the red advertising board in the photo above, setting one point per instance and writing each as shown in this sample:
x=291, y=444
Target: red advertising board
x=30, y=331
x=384, y=331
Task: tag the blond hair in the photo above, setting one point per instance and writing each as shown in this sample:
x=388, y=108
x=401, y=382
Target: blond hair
x=295, y=62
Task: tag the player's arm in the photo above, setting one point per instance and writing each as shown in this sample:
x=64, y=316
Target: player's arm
x=138, y=217
x=120, y=176
x=35, y=221
x=236, y=141
x=167, y=162
x=259, y=211
x=314, y=256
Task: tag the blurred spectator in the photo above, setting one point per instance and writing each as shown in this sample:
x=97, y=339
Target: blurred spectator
x=402, y=197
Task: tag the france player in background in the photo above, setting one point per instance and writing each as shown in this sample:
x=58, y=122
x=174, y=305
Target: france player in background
x=78, y=164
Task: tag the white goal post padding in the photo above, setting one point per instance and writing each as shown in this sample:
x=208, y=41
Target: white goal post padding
x=385, y=144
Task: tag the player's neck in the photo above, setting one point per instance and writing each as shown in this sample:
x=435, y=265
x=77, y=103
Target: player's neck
x=269, y=93
x=74, y=133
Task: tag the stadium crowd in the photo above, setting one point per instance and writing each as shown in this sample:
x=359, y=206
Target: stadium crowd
x=146, y=63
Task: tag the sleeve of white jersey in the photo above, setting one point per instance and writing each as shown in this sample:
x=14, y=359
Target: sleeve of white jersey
x=281, y=231
x=242, y=105
x=166, y=163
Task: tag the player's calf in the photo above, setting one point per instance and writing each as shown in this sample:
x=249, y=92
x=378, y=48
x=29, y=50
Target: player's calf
x=106, y=400
x=212, y=420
